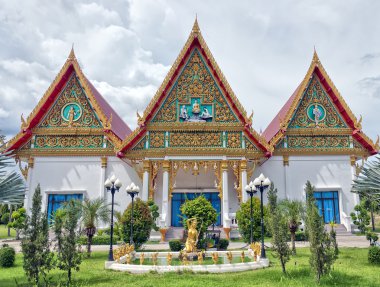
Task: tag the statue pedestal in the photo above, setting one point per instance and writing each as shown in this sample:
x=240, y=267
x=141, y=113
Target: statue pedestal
x=163, y=234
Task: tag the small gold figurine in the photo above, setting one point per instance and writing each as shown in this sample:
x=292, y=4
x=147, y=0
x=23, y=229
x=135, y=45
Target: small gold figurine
x=154, y=258
x=128, y=257
x=200, y=257
x=256, y=249
x=142, y=257
x=169, y=258
x=215, y=257
x=242, y=257
x=185, y=261
x=229, y=256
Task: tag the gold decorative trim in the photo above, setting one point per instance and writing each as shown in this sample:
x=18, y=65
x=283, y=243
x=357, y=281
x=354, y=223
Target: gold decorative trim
x=285, y=159
x=31, y=162
x=66, y=152
x=104, y=160
x=327, y=151
x=68, y=131
x=319, y=131
x=207, y=126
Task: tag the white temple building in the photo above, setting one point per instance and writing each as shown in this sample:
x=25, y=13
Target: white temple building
x=193, y=138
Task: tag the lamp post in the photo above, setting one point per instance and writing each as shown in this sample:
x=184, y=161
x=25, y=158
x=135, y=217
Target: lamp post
x=261, y=183
x=132, y=190
x=112, y=185
x=251, y=190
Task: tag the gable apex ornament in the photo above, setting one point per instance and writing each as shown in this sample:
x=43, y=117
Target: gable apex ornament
x=196, y=28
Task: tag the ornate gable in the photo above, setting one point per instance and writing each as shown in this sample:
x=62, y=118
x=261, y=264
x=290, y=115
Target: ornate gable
x=316, y=120
x=194, y=111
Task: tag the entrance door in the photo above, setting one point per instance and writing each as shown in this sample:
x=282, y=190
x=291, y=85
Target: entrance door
x=179, y=198
x=328, y=205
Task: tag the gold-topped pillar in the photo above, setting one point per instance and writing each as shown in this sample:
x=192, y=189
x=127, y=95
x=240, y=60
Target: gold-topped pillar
x=29, y=195
x=103, y=166
x=225, y=203
x=243, y=176
x=165, y=194
x=145, y=187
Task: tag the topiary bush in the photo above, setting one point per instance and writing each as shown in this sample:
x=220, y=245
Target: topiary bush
x=99, y=240
x=7, y=256
x=175, y=245
x=5, y=218
x=374, y=255
x=223, y=244
x=142, y=223
x=244, y=221
x=201, y=209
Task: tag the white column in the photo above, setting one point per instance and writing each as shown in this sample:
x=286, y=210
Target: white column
x=285, y=161
x=29, y=191
x=145, y=187
x=243, y=176
x=102, y=191
x=165, y=193
x=225, y=203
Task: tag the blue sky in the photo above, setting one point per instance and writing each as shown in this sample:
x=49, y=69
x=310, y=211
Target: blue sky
x=126, y=48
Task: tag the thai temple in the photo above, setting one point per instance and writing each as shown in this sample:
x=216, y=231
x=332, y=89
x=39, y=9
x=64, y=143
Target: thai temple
x=193, y=138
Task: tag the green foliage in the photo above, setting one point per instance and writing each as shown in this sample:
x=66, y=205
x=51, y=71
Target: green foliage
x=301, y=236
x=374, y=255
x=12, y=186
x=278, y=223
x=18, y=221
x=223, y=244
x=360, y=217
x=322, y=245
x=154, y=211
x=66, y=224
x=294, y=213
x=99, y=239
x=142, y=223
x=5, y=218
x=38, y=260
x=7, y=256
x=244, y=221
x=372, y=237
x=201, y=209
x=175, y=245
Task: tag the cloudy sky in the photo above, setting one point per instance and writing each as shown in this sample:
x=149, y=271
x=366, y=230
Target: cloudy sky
x=126, y=48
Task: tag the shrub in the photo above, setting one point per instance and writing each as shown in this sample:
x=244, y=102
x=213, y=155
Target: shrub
x=99, y=240
x=5, y=218
x=202, y=243
x=175, y=245
x=201, y=209
x=142, y=223
x=223, y=244
x=374, y=255
x=301, y=236
x=7, y=256
x=372, y=237
x=244, y=220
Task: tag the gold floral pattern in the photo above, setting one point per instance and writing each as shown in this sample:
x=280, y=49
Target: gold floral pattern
x=72, y=93
x=196, y=139
x=157, y=139
x=319, y=142
x=67, y=142
x=195, y=81
x=249, y=145
x=234, y=140
x=316, y=95
x=140, y=145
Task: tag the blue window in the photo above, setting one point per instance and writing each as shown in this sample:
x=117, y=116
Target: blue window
x=179, y=198
x=328, y=205
x=55, y=201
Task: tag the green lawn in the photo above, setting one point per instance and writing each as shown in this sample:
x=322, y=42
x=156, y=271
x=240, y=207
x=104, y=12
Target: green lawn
x=4, y=232
x=351, y=269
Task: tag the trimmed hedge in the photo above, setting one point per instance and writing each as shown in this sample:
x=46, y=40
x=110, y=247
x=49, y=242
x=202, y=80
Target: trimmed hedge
x=175, y=245
x=374, y=255
x=223, y=244
x=99, y=240
x=7, y=256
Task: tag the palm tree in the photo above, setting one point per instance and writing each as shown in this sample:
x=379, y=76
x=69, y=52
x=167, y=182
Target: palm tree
x=12, y=186
x=294, y=212
x=93, y=212
x=367, y=183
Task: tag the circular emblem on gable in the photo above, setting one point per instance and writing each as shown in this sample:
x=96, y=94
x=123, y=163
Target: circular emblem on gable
x=316, y=112
x=71, y=112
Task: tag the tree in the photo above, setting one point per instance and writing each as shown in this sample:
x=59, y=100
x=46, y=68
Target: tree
x=18, y=221
x=244, y=219
x=368, y=181
x=201, y=209
x=69, y=256
x=142, y=223
x=154, y=211
x=293, y=211
x=93, y=212
x=360, y=217
x=372, y=206
x=12, y=186
x=322, y=245
x=278, y=224
x=38, y=260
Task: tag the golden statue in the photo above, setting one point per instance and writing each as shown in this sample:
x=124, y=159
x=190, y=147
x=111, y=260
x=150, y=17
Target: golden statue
x=229, y=256
x=256, y=249
x=196, y=108
x=142, y=257
x=169, y=258
x=183, y=254
x=192, y=236
x=200, y=257
x=128, y=257
x=242, y=257
x=215, y=257
x=154, y=258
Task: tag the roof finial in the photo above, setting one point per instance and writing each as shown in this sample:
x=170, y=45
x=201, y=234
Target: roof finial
x=72, y=54
x=315, y=56
x=196, y=26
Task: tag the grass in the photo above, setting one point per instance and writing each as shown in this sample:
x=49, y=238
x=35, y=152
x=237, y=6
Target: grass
x=351, y=269
x=4, y=232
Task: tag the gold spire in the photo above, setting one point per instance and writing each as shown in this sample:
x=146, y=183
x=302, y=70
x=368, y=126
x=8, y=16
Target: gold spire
x=315, y=56
x=196, y=29
x=72, y=53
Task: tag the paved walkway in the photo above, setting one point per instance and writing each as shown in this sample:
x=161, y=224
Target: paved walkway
x=347, y=240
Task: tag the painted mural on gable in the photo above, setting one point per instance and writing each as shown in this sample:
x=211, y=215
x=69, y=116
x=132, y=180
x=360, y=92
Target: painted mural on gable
x=71, y=109
x=316, y=109
x=195, y=97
